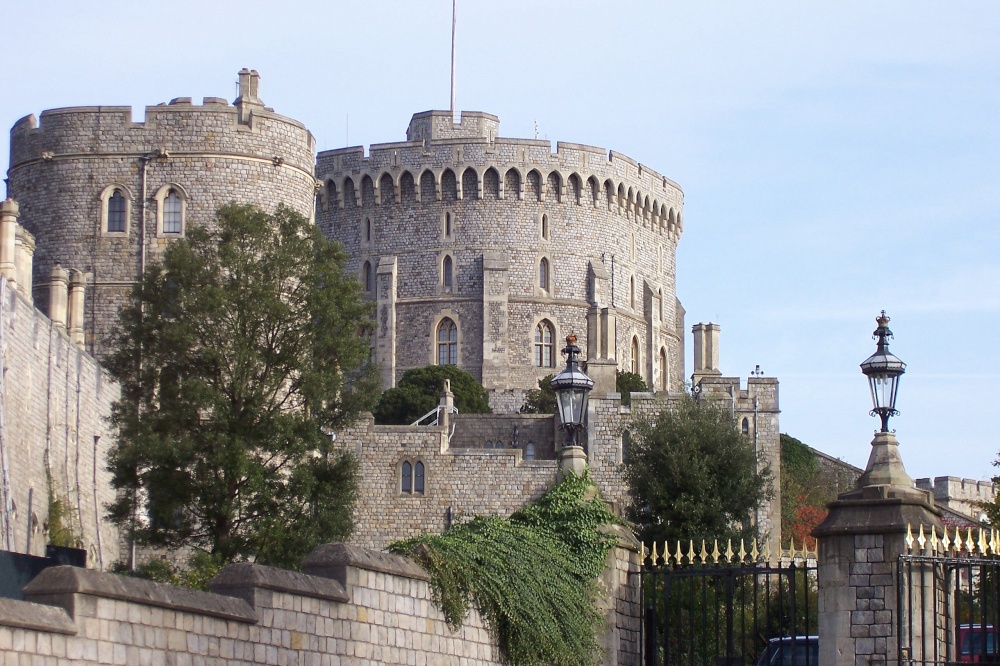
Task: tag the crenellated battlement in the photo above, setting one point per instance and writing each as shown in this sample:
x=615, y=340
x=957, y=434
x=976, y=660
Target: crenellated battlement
x=179, y=126
x=470, y=160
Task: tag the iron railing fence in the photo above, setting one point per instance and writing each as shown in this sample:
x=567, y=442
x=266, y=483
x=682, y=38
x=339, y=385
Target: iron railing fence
x=726, y=607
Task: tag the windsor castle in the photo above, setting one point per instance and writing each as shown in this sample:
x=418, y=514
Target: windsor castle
x=476, y=250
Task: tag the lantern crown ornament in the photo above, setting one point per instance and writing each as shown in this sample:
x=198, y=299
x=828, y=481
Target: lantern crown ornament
x=572, y=388
x=883, y=370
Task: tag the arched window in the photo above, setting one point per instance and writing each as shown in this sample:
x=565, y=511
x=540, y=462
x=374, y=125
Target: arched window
x=368, y=230
x=173, y=221
x=663, y=370
x=446, y=272
x=746, y=426
x=635, y=354
x=369, y=278
x=418, y=478
x=406, y=478
x=488, y=445
x=543, y=274
x=631, y=292
x=447, y=225
x=447, y=342
x=529, y=451
x=116, y=212
x=544, y=226
x=544, y=347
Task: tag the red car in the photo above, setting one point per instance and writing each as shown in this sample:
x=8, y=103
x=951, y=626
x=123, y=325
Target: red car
x=970, y=644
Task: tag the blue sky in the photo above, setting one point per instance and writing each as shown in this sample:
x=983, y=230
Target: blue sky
x=836, y=158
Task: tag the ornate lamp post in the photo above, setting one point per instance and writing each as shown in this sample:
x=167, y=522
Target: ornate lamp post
x=883, y=370
x=572, y=389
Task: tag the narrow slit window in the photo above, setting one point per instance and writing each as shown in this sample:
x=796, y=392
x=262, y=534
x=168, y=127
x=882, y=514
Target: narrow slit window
x=543, y=274
x=447, y=271
x=418, y=478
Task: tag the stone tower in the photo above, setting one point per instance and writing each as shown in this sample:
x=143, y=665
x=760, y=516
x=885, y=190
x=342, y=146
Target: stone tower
x=492, y=250
x=104, y=195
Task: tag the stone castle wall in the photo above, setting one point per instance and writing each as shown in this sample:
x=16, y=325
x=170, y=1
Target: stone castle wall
x=496, y=208
x=351, y=606
x=962, y=495
x=56, y=401
x=214, y=153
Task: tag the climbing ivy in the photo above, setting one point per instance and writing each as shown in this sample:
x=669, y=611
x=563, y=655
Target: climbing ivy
x=532, y=576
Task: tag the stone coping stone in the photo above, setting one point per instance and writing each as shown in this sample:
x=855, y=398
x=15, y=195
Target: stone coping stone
x=330, y=560
x=245, y=575
x=75, y=580
x=37, y=617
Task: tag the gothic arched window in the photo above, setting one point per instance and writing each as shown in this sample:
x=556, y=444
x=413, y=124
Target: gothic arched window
x=369, y=278
x=116, y=212
x=543, y=274
x=746, y=426
x=635, y=354
x=406, y=478
x=663, y=370
x=173, y=222
x=544, y=347
x=447, y=272
x=447, y=342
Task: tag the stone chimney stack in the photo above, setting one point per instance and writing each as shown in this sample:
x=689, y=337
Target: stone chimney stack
x=8, y=231
x=248, y=101
x=706, y=350
x=77, y=290
x=58, y=295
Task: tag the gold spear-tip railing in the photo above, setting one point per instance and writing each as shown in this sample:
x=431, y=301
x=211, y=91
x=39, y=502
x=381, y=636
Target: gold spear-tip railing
x=681, y=555
x=981, y=541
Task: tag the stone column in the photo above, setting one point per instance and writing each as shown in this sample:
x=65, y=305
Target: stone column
x=651, y=303
x=8, y=229
x=24, y=253
x=58, y=295
x=496, y=295
x=859, y=545
x=706, y=350
x=602, y=324
x=77, y=290
x=385, y=327
x=620, y=583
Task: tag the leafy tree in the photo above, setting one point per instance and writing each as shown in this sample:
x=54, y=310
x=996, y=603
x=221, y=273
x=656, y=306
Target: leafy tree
x=238, y=356
x=541, y=400
x=627, y=383
x=419, y=391
x=806, y=489
x=692, y=474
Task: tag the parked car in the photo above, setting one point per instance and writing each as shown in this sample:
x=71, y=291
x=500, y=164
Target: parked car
x=786, y=651
x=970, y=644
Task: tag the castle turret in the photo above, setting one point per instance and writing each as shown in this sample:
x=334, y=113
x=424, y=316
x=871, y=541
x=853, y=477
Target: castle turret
x=501, y=247
x=105, y=195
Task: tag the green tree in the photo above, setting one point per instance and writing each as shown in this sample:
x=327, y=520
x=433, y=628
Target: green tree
x=419, y=391
x=237, y=357
x=541, y=400
x=692, y=475
x=627, y=383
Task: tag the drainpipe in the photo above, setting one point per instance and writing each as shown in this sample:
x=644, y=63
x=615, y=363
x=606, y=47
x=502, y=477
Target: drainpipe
x=97, y=509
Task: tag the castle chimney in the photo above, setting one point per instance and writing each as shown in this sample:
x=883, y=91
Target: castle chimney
x=8, y=231
x=77, y=290
x=706, y=350
x=247, y=100
x=58, y=294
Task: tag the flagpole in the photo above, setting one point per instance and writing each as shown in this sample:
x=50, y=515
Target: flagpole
x=453, y=2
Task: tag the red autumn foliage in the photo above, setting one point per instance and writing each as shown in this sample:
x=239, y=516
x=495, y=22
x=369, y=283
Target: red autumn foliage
x=807, y=517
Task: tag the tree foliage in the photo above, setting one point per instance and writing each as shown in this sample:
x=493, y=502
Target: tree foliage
x=541, y=400
x=532, y=577
x=692, y=474
x=419, y=391
x=806, y=489
x=238, y=356
x=627, y=383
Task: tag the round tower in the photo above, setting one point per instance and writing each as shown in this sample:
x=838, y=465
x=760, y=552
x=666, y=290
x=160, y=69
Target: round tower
x=105, y=195
x=488, y=251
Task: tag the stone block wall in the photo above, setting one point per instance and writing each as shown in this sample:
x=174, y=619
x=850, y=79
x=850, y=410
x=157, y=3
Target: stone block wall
x=56, y=401
x=351, y=606
x=962, y=495
x=507, y=431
